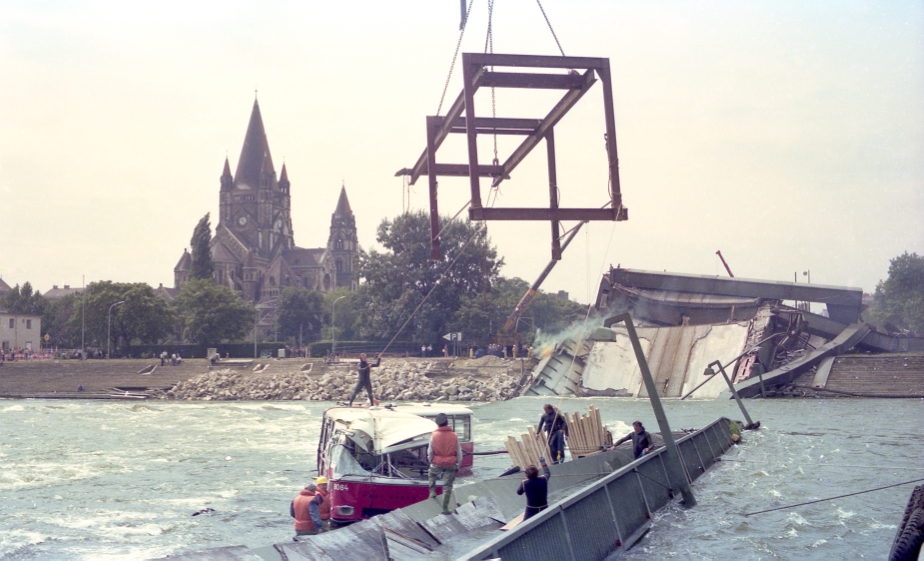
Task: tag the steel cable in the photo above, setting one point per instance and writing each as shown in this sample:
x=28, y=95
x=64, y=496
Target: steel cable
x=832, y=498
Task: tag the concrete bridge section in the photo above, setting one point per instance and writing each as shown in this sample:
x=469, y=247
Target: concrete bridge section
x=884, y=376
x=843, y=303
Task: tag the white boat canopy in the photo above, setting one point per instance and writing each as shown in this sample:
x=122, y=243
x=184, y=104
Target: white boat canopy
x=381, y=431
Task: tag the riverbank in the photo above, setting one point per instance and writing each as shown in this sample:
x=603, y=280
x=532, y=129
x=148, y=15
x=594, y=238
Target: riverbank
x=485, y=379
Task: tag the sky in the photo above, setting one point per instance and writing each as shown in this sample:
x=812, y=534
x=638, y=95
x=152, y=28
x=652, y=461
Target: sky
x=787, y=134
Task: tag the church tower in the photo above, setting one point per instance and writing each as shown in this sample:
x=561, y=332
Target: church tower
x=254, y=205
x=343, y=244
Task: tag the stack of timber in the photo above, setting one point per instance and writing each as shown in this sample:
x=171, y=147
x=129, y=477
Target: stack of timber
x=528, y=449
x=586, y=433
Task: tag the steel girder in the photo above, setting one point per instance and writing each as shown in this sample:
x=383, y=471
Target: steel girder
x=477, y=72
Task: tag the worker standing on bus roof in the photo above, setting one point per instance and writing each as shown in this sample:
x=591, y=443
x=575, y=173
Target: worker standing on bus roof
x=365, y=378
x=445, y=456
x=558, y=432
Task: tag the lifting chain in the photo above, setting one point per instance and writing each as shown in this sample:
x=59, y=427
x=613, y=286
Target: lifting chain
x=455, y=55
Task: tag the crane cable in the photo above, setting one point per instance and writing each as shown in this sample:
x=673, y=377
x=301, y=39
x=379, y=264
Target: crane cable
x=455, y=55
x=547, y=22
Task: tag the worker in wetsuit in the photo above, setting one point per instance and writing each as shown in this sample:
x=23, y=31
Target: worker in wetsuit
x=555, y=423
x=536, y=489
x=641, y=440
x=365, y=378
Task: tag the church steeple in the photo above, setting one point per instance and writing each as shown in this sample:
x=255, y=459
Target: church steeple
x=226, y=179
x=343, y=242
x=343, y=204
x=255, y=158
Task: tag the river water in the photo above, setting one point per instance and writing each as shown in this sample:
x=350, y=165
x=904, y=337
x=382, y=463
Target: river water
x=121, y=480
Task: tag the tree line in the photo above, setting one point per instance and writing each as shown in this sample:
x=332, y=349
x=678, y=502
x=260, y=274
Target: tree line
x=471, y=297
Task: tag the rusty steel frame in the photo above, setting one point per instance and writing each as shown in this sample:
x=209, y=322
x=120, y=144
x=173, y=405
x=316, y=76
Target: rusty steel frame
x=583, y=72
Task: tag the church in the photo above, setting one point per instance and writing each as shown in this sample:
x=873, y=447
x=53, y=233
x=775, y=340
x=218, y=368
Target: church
x=253, y=248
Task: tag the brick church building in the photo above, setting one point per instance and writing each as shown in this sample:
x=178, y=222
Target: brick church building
x=253, y=248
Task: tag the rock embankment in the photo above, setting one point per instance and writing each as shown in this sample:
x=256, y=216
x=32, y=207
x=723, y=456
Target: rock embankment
x=394, y=381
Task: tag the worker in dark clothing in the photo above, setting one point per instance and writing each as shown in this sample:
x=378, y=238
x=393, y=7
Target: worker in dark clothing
x=365, y=378
x=554, y=422
x=641, y=440
x=536, y=489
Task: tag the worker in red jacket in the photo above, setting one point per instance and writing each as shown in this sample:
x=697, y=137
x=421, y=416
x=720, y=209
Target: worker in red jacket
x=305, y=509
x=445, y=456
x=324, y=508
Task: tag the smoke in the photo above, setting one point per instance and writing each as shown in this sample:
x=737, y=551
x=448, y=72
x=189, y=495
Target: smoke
x=545, y=343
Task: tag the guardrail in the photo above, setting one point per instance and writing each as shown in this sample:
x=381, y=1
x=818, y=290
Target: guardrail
x=608, y=516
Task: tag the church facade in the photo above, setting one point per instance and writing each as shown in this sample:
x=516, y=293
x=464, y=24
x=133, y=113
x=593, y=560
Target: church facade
x=253, y=248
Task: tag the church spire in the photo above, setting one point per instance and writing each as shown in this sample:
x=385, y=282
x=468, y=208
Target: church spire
x=343, y=204
x=226, y=179
x=255, y=154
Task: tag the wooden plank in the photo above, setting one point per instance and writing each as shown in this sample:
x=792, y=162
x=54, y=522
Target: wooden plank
x=513, y=523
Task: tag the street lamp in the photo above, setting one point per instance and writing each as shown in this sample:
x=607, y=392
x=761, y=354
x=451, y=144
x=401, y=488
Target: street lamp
x=109, y=328
x=333, y=327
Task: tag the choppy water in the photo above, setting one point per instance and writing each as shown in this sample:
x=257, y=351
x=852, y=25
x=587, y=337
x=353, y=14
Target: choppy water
x=120, y=480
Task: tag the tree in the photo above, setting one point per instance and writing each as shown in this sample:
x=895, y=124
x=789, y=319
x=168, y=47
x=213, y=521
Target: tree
x=57, y=323
x=202, y=266
x=397, y=281
x=24, y=301
x=299, y=313
x=144, y=316
x=211, y=313
x=481, y=317
x=898, y=303
x=346, y=315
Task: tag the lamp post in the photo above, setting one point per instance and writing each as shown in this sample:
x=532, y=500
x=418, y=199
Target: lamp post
x=333, y=327
x=109, y=328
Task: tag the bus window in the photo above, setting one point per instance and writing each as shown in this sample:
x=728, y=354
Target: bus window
x=462, y=425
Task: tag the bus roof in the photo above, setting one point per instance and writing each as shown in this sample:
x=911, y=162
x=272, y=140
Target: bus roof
x=382, y=429
x=432, y=409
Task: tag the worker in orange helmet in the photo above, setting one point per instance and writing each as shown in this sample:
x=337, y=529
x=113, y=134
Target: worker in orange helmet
x=324, y=508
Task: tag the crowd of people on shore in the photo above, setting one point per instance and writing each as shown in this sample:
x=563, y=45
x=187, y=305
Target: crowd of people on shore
x=16, y=353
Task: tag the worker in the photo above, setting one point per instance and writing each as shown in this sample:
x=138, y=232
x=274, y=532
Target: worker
x=641, y=440
x=324, y=507
x=558, y=432
x=536, y=489
x=364, y=381
x=305, y=509
x=445, y=456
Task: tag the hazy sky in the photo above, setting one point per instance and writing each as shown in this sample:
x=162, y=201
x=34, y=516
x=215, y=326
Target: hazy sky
x=790, y=135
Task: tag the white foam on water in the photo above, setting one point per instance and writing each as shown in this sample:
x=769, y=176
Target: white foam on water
x=845, y=514
x=818, y=543
x=11, y=408
x=796, y=518
x=774, y=493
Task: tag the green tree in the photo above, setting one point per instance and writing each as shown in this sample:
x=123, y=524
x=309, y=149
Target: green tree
x=346, y=315
x=24, y=300
x=211, y=313
x=299, y=313
x=202, y=266
x=480, y=317
x=397, y=280
x=144, y=317
x=899, y=300
x=57, y=324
